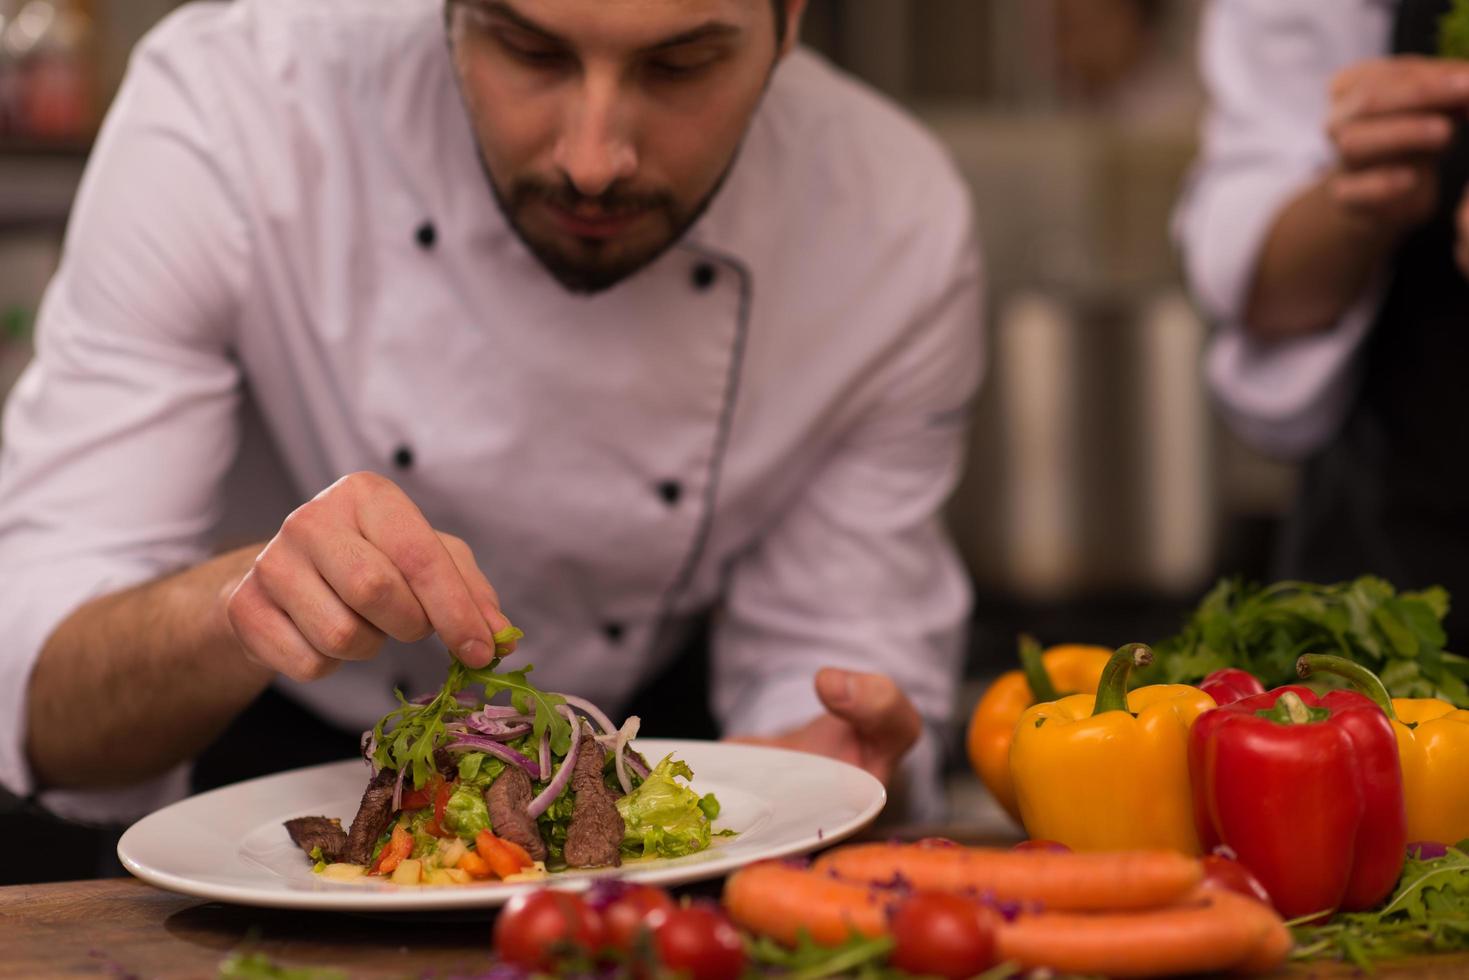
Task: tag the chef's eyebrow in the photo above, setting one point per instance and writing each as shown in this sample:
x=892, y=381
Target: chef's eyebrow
x=709, y=30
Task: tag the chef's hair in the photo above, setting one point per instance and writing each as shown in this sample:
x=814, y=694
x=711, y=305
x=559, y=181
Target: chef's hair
x=780, y=21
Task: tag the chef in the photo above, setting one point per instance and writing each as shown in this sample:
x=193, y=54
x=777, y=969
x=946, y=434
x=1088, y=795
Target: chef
x=381, y=326
x=1327, y=232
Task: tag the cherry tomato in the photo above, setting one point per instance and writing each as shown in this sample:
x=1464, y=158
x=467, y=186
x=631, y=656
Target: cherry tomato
x=700, y=942
x=535, y=929
x=1042, y=845
x=943, y=935
x=636, y=909
x=1221, y=872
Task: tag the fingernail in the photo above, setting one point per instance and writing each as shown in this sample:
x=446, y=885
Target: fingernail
x=475, y=653
x=843, y=689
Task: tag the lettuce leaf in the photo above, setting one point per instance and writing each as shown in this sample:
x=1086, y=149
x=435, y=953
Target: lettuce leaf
x=663, y=817
x=466, y=813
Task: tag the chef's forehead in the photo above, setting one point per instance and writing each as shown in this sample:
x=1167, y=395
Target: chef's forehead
x=633, y=22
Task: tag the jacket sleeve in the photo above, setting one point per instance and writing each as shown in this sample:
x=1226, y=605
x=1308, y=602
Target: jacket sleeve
x=1267, y=65
x=118, y=434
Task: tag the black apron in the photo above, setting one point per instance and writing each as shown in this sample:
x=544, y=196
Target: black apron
x=1387, y=496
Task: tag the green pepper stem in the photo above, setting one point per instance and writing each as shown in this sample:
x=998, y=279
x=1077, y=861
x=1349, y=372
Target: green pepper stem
x=1042, y=688
x=1112, y=689
x=1361, y=679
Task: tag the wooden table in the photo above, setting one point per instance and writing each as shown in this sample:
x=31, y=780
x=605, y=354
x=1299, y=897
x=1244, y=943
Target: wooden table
x=124, y=928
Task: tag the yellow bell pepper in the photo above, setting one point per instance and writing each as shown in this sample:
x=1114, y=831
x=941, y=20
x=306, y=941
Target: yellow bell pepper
x=1069, y=669
x=1110, y=771
x=1433, y=747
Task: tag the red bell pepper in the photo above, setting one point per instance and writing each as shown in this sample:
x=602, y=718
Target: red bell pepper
x=1229, y=684
x=1307, y=792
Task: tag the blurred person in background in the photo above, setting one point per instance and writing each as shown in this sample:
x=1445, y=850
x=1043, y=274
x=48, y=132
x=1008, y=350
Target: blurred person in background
x=1113, y=58
x=1326, y=232
x=628, y=307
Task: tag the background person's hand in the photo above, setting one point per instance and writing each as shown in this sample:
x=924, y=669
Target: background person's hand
x=869, y=723
x=1389, y=120
x=356, y=564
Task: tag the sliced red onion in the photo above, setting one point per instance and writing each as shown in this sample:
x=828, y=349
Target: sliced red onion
x=481, y=743
x=594, y=712
x=618, y=744
x=503, y=730
x=545, y=755
x=563, y=775
x=398, y=790
x=502, y=711
x=463, y=697
x=368, y=746
x=637, y=765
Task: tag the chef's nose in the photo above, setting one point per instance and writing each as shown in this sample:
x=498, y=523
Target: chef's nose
x=596, y=148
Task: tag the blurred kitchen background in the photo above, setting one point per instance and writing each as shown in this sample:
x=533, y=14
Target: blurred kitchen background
x=1102, y=496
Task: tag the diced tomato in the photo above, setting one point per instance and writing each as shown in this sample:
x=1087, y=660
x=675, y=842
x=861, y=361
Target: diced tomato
x=504, y=857
x=393, y=853
x=442, y=793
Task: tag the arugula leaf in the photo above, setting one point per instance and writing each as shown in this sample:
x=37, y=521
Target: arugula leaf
x=1428, y=912
x=858, y=956
x=407, y=737
x=1398, y=635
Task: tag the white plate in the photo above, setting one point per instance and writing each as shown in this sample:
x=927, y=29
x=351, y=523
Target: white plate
x=229, y=844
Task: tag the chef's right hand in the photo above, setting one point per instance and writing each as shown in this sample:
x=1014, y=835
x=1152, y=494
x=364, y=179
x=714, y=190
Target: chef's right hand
x=1389, y=120
x=356, y=564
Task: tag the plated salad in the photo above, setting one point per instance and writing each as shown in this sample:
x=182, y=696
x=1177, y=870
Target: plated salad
x=465, y=789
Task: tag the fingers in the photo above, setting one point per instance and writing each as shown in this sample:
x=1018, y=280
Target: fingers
x=1363, y=142
x=1380, y=188
x=367, y=582
x=269, y=637
x=1390, y=85
x=881, y=715
x=486, y=599
x=391, y=522
x=353, y=566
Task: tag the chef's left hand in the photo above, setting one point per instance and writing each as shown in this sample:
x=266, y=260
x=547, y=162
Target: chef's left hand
x=869, y=723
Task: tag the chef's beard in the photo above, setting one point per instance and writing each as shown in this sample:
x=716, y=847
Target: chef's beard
x=599, y=264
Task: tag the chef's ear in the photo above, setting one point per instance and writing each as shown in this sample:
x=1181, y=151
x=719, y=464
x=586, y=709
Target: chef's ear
x=790, y=12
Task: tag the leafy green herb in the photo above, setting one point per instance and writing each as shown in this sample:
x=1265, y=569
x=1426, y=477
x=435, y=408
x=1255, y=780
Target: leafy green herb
x=857, y=957
x=407, y=737
x=1453, y=31
x=1428, y=912
x=1263, y=630
x=257, y=966
x=663, y=817
x=466, y=813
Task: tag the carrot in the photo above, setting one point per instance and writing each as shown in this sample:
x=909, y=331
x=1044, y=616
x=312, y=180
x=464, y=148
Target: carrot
x=476, y=866
x=1275, y=945
x=780, y=901
x=497, y=853
x=1210, y=932
x=398, y=847
x=1089, y=882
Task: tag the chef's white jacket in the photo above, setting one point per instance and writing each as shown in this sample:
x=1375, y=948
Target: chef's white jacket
x=1268, y=64
x=285, y=220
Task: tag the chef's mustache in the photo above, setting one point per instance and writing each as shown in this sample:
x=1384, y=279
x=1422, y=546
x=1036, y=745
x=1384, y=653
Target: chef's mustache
x=613, y=201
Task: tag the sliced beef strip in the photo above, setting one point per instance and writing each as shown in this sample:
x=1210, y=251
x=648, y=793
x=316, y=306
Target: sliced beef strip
x=594, y=836
x=507, y=798
x=323, y=832
x=374, y=814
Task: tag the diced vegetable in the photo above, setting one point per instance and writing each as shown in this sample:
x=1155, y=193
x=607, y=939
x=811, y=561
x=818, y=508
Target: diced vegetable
x=408, y=872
